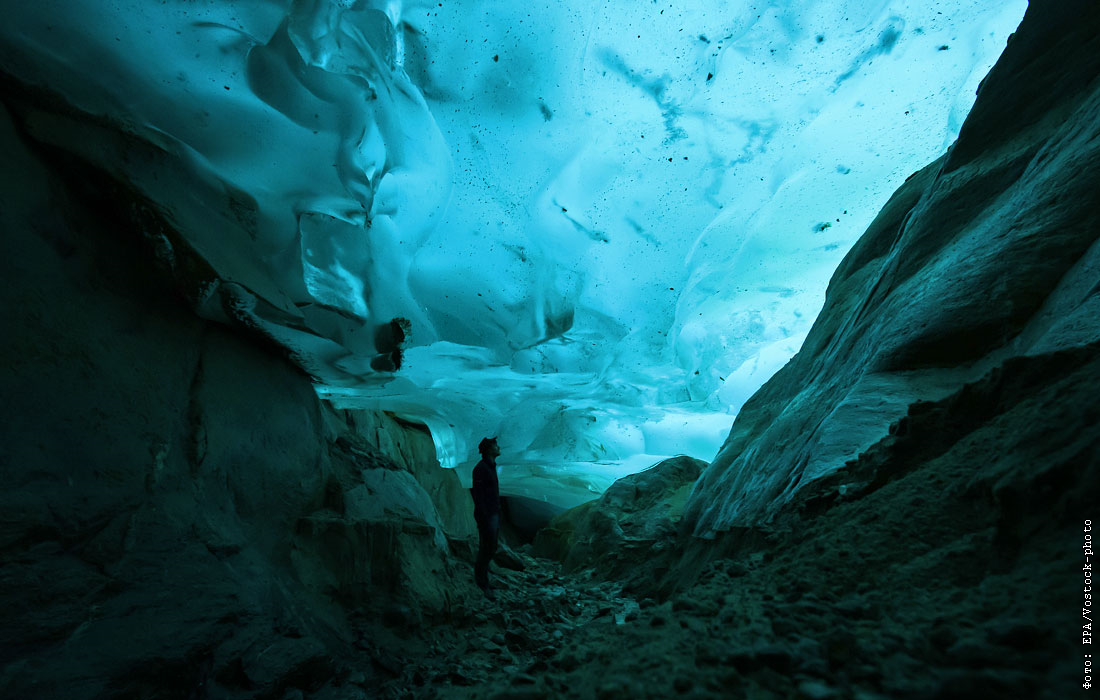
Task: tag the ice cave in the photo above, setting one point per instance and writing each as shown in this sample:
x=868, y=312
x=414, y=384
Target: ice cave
x=784, y=316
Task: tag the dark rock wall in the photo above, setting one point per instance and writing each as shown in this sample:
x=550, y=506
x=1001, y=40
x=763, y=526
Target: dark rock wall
x=986, y=255
x=633, y=521
x=180, y=516
x=412, y=447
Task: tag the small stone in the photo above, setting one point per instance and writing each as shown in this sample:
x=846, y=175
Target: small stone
x=684, y=604
x=772, y=656
x=618, y=689
x=815, y=690
x=460, y=677
x=568, y=661
x=693, y=624
x=840, y=648
x=852, y=607
x=523, y=692
x=943, y=637
x=972, y=652
x=785, y=628
x=707, y=655
x=1021, y=635
x=516, y=639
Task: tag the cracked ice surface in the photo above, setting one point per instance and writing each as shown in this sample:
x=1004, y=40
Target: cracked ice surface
x=607, y=223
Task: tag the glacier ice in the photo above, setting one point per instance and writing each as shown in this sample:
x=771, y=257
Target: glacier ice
x=602, y=225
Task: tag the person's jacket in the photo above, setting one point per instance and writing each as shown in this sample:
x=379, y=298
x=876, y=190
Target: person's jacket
x=486, y=491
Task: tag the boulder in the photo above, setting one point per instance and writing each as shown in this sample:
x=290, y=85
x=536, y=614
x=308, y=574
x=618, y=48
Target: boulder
x=636, y=514
x=411, y=447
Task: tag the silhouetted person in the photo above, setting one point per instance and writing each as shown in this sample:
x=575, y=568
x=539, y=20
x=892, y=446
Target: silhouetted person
x=486, y=494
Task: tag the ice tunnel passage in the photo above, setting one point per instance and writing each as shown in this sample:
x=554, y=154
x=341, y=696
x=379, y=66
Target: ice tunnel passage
x=271, y=264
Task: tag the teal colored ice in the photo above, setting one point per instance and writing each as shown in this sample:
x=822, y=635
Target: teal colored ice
x=607, y=223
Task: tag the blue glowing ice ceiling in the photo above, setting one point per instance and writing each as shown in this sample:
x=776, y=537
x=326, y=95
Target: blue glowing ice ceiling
x=606, y=224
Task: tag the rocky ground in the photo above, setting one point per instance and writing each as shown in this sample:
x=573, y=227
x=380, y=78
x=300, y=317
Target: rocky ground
x=875, y=602
x=518, y=645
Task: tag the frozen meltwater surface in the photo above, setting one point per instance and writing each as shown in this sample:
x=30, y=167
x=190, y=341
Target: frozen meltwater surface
x=607, y=224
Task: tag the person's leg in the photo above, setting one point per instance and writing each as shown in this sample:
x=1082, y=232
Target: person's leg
x=487, y=547
x=481, y=564
x=493, y=527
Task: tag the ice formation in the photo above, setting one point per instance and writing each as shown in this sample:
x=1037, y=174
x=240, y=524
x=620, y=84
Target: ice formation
x=603, y=225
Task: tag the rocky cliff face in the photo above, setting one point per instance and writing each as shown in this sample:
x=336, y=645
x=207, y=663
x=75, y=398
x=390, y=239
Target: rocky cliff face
x=985, y=259
x=181, y=516
x=632, y=520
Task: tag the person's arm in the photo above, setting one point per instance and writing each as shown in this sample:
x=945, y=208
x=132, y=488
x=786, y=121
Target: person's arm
x=478, y=490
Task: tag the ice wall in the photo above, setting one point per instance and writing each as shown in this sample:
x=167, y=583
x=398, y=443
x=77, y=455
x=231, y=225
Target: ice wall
x=605, y=223
x=283, y=138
